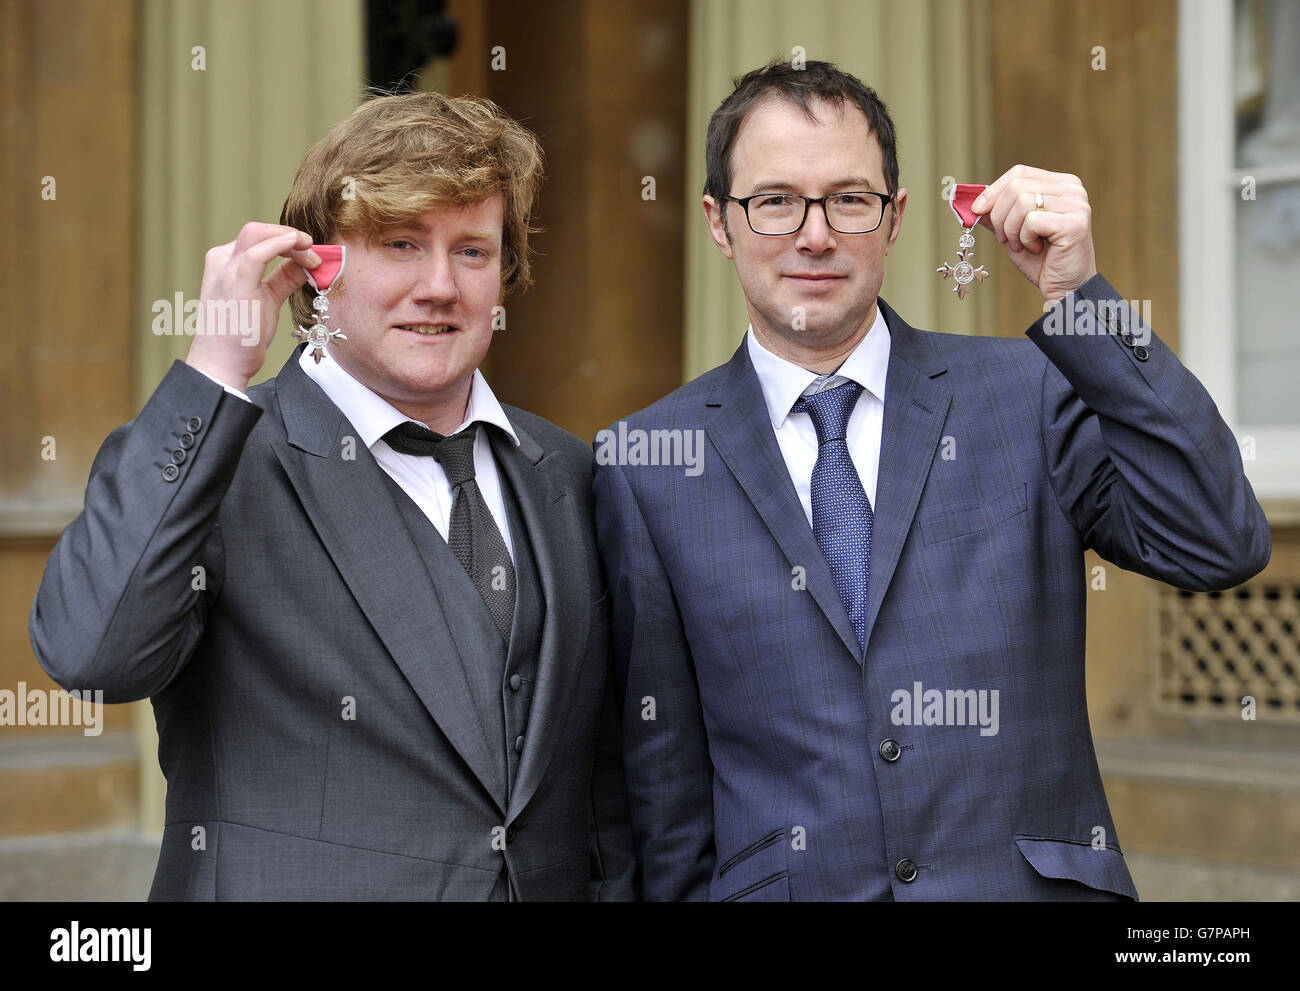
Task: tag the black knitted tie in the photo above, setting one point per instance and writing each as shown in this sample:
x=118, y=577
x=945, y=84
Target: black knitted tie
x=473, y=534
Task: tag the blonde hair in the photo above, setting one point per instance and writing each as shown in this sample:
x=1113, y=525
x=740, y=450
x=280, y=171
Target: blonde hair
x=398, y=156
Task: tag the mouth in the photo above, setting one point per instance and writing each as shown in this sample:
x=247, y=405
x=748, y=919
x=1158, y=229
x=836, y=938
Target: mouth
x=427, y=329
x=813, y=278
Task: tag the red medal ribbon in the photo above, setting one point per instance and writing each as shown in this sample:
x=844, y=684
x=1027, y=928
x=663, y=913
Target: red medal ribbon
x=963, y=195
x=331, y=264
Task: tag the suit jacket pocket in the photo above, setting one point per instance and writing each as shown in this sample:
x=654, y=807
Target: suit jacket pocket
x=757, y=872
x=973, y=519
x=774, y=888
x=771, y=839
x=1103, y=870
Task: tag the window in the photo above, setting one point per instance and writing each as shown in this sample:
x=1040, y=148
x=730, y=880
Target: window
x=1239, y=242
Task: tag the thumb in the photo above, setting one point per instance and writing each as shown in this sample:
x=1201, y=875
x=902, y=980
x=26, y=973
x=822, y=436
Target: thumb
x=284, y=281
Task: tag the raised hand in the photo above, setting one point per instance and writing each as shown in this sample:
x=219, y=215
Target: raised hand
x=1051, y=244
x=240, y=309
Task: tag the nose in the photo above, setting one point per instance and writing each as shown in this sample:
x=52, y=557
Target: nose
x=436, y=283
x=815, y=235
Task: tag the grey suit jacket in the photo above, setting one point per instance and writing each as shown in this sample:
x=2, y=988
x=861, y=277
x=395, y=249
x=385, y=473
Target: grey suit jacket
x=244, y=565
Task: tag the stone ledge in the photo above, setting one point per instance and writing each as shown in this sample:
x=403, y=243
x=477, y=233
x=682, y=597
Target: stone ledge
x=67, y=750
x=111, y=865
x=1171, y=879
x=1202, y=764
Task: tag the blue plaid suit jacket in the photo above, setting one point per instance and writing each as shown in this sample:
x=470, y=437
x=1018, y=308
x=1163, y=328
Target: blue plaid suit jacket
x=768, y=758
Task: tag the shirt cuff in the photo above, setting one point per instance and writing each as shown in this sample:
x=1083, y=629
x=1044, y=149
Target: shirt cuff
x=230, y=389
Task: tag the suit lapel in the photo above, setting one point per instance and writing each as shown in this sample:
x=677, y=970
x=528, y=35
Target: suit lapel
x=551, y=514
x=353, y=513
x=915, y=410
x=741, y=431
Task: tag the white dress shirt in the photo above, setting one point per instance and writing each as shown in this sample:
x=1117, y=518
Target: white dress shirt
x=783, y=382
x=420, y=477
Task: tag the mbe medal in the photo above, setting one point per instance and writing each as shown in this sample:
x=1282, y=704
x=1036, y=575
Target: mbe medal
x=323, y=278
x=966, y=274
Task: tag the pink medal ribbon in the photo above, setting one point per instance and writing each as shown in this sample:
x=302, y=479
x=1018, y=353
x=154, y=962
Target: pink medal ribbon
x=322, y=278
x=331, y=264
x=964, y=273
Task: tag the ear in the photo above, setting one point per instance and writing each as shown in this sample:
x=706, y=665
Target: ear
x=713, y=213
x=900, y=202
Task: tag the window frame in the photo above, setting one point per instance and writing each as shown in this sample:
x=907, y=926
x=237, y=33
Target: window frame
x=1207, y=263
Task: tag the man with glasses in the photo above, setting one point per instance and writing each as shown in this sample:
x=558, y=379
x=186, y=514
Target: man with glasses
x=850, y=645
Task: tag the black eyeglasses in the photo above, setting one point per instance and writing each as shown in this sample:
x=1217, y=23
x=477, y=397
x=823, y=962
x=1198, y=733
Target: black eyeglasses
x=776, y=214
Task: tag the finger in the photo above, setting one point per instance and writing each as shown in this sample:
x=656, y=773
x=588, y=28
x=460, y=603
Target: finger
x=1021, y=207
x=214, y=263
x=1005, y=207
x=984, y=202
x=1022, y=174
x=256, y=258
x=1041, y=227
x=255, y=232
x=284, y=281
x=305, y=257
x=1021, y=197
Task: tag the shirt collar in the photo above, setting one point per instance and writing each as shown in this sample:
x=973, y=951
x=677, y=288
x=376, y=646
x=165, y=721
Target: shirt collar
x=783, y=382
x=373, y=416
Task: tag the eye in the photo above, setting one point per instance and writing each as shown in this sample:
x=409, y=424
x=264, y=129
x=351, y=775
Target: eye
x=400, y=241
x=476, y=252
x=851, y=199
x=773, y=201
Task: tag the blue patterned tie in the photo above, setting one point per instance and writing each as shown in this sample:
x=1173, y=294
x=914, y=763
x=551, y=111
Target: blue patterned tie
x=842, y=515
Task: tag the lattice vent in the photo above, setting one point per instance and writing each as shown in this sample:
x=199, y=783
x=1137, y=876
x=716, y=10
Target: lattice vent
x=1213, y=648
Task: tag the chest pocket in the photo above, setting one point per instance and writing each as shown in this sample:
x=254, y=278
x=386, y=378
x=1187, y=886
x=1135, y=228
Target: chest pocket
x=975, y=519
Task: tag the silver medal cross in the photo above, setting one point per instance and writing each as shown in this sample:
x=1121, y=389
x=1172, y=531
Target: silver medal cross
x=964, y=272
x=318, y=335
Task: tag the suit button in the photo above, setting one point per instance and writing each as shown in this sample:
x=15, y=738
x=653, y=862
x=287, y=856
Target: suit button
x=1141, y=353
x=890, y=750
x=178, y=456
x=906, y=870
x=187, y=440
x=515, y=682
x=519, y=744
x=511, y=833
x=170, y=473
x=1128, y=339
x=194, y=424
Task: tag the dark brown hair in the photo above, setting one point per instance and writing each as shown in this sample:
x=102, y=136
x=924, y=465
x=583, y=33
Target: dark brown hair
x=802, y=87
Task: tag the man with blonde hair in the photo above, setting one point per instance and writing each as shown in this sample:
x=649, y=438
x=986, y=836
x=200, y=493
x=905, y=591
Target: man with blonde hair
x=363, y=597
